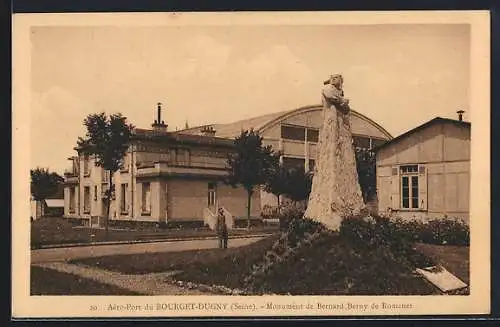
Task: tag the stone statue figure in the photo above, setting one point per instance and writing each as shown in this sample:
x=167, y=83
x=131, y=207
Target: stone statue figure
x=336, y=193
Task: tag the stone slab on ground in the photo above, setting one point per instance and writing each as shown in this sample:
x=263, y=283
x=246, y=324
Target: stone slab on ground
x=441, y=278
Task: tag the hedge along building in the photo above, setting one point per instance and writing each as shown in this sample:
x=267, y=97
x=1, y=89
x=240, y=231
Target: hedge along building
x=166, y=177
x=424, y=173
x=295, y=134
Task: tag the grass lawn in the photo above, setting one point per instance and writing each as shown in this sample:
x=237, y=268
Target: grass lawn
x=454, y=258
x=50, y=231
x=332, y=265
x=331, y=261
x=51, y=282
x=211, y=266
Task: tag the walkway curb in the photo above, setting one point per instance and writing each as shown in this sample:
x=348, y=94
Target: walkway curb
x=166, y=240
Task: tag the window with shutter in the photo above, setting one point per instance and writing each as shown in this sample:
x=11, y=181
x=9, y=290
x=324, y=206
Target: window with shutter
x=123, y=198
x=72, y=200
x=413, y=184
x=422, y=186
x=86, y=168
x=146, y=198
x=211, y=194
x=86, y=199
x=395, y=202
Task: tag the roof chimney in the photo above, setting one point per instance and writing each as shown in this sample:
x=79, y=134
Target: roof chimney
x=460, y=114
x=208, y=131
x=159, y=125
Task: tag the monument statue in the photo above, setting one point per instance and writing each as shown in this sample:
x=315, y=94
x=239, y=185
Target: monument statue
x=336, y=193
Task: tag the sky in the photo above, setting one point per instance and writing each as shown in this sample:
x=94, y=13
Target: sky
x=398, y=75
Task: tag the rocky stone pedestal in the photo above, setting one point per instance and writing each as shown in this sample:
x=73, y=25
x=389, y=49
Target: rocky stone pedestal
x=336, y=193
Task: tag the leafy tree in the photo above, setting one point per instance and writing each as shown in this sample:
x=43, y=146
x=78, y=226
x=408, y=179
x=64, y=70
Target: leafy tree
x=277, y=182
x=44, y=183
x=366, y=167
x=299, y=184
x=250, y=164
x=107, y=138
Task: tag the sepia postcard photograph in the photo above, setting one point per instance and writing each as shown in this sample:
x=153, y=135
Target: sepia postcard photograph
x=251, y=164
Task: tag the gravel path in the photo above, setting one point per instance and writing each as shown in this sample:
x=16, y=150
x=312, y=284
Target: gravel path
x=149, y=284
x=71, y=253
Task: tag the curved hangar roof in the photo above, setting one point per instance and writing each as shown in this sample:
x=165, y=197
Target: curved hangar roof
x=310, y=116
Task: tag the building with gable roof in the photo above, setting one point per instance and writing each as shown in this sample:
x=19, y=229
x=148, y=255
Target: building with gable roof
x=425, y=172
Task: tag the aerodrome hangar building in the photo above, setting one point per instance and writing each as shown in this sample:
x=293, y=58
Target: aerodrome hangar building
x=295, y=134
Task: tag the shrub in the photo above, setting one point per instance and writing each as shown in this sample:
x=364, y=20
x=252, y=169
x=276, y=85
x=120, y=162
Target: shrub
x=288, y=214
x=365, y=233
x=283, y=214
x=370, y=232
x=162, y=225
x=240, y=222
x=397, y=232
x=439, y=231
x=269, y=212
x=444, y=231
x=300, y=229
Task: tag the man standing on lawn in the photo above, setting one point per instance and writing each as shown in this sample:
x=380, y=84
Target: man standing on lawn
x=222, y=229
